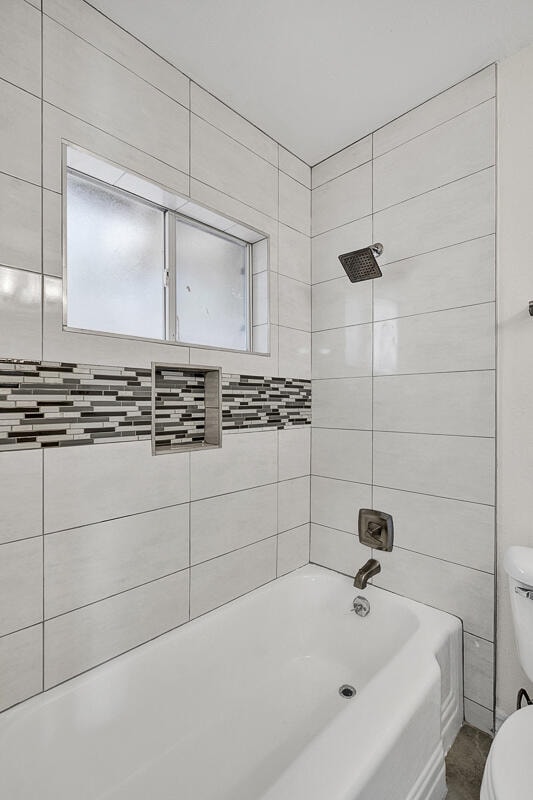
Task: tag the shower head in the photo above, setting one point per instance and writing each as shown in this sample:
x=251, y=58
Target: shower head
x=361, y=265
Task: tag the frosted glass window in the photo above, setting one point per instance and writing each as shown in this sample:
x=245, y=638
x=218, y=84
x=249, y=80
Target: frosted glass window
x=115, y=261
x=211, y=288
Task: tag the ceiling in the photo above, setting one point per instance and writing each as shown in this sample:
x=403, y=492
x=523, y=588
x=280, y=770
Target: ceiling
x=319, y=74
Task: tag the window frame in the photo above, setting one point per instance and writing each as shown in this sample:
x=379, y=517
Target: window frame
x=169, y=276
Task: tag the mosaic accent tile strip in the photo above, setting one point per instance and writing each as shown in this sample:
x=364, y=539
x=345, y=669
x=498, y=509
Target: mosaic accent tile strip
x=44, y=404
x=251, y=401
x=179, y=408
x=48, y=404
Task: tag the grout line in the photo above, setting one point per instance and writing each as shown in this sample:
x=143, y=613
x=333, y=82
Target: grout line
x=116, y=594
x=440, y=186
x=407, y=491
x=437, y=126
x=372, y=336
x=417, y=255
x=496, y=403
x=411, y=550
x=43, y=640
x=406, y=316
x=108, y=55
x=404, y=114
x=404, y=374
x=151, y=156
x=346, y=171
x=404, y=433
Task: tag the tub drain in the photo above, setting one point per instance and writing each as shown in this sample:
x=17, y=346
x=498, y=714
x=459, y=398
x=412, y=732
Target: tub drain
x=347, y=691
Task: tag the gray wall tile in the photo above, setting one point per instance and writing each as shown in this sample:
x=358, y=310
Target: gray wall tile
x=21, y=584
x=83, y=565
x=231, y=521
x=21, y=661
x=293, y=549
x=77, y=641
x=216, y=582
x=21, y=495
x=92, y=484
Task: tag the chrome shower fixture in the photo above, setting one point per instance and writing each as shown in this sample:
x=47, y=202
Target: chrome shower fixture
x=361, y=265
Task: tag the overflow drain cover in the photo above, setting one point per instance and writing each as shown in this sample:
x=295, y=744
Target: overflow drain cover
x=347, y=691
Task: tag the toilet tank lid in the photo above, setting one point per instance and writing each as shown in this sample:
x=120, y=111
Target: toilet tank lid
x=518, y=563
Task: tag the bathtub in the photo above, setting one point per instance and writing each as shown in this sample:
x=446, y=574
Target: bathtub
x=243, y=704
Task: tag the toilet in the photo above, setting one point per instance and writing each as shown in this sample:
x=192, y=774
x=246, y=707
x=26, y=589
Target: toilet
x=509, y=769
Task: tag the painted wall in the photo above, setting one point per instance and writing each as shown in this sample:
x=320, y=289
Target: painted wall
x=404, y=366
x=104, y=547
x=515, y=382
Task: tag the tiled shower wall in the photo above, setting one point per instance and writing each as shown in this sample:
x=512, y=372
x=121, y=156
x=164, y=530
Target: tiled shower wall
x=104, y=547
x=404, y=366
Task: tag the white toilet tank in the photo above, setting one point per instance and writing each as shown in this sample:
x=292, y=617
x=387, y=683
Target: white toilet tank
x=518, y=563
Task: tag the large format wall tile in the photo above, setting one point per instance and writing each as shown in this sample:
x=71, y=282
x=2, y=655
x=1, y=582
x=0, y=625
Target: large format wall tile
x=231, y=521
x=295, y=167
x=479, y=670
x=220, y=580
x=20, y=314
x=220, y=161
x=327, y=248
x=293, y=549
x=337, y=550
x=343, y=352
x=294, y=304
x=342, y=403
x=339, y=303
x=467, y=94
x=77, y=78
x=77, y=641
x=464, y=145
x=58, y=125
x=453, y=530
x=92, y=484
x=345, y=160
x=294, y=453
x=460, y=403
x=342, y=200
x=294, y=204
x=459, y=275
x=21, y=584
x=454, y=213
x=458, y=467
x=294, y=254
x=98, y=30
x=479, y=717
x=294, y=353
x=20, y=45
x=342, y=454
x=443, y=341
x=20, y=495
x=246, y=460
x=336, y=503
x=465, y=592
x=294, y=499
x=212, y=110
x=20, y=133
x=86, y=564
x=20, y=224
x=21, y=665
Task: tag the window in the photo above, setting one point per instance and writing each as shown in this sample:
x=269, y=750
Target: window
x=137, y=266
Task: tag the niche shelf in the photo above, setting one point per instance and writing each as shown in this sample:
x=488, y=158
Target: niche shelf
x=186, y=408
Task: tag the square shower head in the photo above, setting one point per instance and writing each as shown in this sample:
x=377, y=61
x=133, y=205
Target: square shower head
x=361, y=265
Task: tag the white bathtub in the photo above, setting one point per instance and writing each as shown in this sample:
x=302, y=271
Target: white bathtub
x=243, y=704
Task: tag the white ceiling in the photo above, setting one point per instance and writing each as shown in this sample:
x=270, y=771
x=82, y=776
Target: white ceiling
x=319, y=74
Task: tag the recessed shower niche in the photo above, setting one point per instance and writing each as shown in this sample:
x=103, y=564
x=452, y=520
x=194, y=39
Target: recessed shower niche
x=186, y=408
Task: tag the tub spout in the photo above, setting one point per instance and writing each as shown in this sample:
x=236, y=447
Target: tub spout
x=367, y=571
